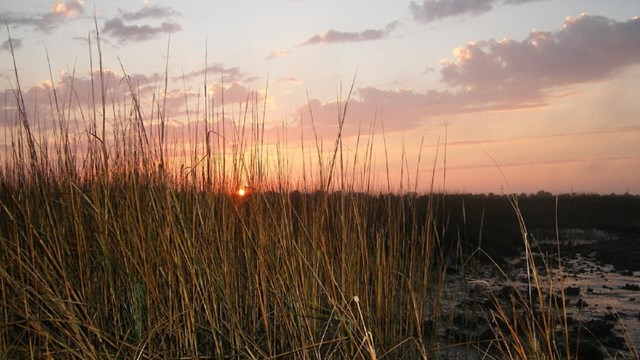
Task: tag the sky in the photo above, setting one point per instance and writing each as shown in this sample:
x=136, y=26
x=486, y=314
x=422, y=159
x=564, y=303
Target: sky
x=463, y=95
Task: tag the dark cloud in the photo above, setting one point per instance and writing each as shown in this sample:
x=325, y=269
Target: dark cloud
x=48, y=21
x=432, y=10
x=136, y=33
x=518, y=2
x=6, y=46
x=121, y=28
x=153, y=11
x=334, y=36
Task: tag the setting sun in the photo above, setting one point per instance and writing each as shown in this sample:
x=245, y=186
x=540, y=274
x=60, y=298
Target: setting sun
x=242, y=192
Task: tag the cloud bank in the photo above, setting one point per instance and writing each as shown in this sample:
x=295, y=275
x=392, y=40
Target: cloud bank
x=485, y=75
x=80, y=89
x=495, y=75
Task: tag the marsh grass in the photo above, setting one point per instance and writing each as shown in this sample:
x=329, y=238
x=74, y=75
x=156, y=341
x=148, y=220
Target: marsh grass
x=112, y=248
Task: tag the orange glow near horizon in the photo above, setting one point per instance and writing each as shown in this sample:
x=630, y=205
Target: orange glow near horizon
x=242, y=192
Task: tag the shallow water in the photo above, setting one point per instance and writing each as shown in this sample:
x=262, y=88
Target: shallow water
x=595, y=293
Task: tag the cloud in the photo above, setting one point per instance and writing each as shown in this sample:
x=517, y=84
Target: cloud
x=78, y=90
x=277, y=54
x=70, y=8
x=586, y=49
x=233, y=94
x=399, y=110
x=6, y=46
x=432, y=10
x=124, y=32
x=231, y=75
x=334, y=36
x=136, y=33
x=250, y=79
x=428, y=69
x=403, y=109
x=48, y=21
x=153, y=11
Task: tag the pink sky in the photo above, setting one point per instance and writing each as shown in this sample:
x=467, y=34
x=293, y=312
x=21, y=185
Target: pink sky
x=527, y=95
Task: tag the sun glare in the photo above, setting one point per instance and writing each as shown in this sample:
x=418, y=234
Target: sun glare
x=242, y=192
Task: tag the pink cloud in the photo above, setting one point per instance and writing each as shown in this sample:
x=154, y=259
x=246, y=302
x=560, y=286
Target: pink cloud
x=75, y=94
x=233, y=94
x=225, y=129
x=398, y=110
x=70, y=8
x=586, y=49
